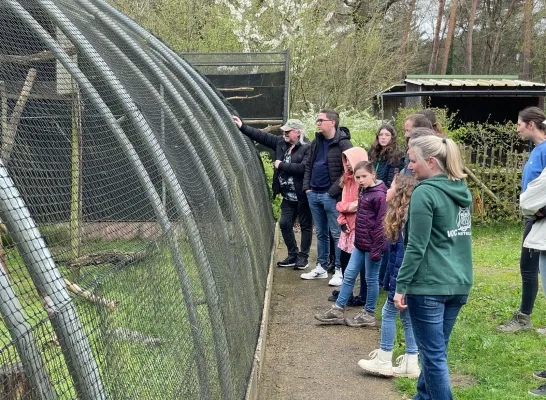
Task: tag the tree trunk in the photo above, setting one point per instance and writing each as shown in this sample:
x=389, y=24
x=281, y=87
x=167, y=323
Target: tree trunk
x=436, y=40
x=450, y=32
x=528, y=24
x=498, y=36
x=406, y=34
x=468, y=51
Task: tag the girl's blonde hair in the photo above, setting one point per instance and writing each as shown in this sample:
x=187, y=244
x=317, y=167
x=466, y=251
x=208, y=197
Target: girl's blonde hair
x=397, y=209
x=444, y=151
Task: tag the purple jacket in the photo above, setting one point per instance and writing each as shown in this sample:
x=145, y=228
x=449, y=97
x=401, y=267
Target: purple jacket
x=369, y=231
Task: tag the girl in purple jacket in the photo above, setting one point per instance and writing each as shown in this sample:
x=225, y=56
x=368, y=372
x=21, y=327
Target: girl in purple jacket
x=370, y=242
x=398, y=198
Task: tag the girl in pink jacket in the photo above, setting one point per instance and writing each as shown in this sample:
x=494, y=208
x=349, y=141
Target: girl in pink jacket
x=347, y=211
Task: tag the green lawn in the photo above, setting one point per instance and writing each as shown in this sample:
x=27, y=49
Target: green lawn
x=485, y=364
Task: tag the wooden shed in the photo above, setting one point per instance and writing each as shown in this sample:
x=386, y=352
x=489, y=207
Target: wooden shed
x=478, y=98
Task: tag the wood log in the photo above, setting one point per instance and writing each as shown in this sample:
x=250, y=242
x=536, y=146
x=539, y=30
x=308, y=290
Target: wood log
x=243, y=97
x=236, y=89
x=15, y=385
x=103, y=257
x=8, y=137
x=34, y=57
x=272, y=128
x=486, y=190
x=134, y=336
x=87, y=295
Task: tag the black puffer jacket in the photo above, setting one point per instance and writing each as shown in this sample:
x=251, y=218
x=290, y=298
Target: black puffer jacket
x=341, y=142
x=295, y=168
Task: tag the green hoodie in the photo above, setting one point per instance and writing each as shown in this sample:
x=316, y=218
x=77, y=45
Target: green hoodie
x=438, y=257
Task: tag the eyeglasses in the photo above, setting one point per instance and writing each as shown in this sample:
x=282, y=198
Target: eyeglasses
x=320, y=120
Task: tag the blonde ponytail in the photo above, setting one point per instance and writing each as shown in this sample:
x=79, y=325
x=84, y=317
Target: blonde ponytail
x=445, y=151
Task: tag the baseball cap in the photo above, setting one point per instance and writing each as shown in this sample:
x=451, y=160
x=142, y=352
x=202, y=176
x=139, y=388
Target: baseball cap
x=293, y=124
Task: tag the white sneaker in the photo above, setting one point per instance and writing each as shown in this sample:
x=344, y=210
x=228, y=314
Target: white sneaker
x=379, y=363
x=337, y=279
x=317, y=273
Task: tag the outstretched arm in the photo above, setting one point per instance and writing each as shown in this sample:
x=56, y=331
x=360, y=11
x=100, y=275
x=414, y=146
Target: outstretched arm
x=264, y=138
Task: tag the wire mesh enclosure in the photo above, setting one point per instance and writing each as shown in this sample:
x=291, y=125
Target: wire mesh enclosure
x=136, y=229
x=255, y=84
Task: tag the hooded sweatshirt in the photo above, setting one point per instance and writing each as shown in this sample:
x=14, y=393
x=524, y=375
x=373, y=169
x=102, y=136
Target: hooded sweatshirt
x=349, y=195
x=438, y=257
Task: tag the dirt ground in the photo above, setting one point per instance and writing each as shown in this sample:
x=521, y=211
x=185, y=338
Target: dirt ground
x=305, y=360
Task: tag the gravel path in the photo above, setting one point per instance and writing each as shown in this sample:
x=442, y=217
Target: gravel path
x=305, y=360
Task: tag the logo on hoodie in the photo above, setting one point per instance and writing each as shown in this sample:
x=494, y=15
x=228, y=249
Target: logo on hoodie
x=464, y=222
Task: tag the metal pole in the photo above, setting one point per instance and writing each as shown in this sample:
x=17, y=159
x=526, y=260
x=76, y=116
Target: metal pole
x=21, y=333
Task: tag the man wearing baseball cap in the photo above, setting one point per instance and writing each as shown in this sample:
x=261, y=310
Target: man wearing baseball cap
x=290, y=158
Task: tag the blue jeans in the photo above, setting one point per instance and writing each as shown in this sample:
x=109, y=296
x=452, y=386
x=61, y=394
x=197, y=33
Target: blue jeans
x=323, y=209
x=433, y=318
x=388, y=328
x=359, y=260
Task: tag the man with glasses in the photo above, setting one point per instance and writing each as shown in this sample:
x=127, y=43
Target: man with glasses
x=321, y=184
x=290, y=158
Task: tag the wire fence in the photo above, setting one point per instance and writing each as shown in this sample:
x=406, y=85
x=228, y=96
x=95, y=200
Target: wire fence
x=136, y=229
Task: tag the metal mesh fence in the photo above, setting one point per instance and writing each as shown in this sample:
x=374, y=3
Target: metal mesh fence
x=137, y=227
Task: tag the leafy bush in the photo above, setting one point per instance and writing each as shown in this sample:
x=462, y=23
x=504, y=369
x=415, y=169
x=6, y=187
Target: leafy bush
x=361, y=124
x=269, y=170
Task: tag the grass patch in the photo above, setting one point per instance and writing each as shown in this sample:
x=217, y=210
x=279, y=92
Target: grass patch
x=493, y=365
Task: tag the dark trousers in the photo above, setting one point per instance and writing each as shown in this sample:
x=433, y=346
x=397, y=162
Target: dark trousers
x=528, y=266
x=290, y=211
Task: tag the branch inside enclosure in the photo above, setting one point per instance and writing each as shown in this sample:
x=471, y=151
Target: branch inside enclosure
x=103, y=257
x=243, y=97
x=236, y=89
x=35, y=57
x=8, y=136
x=87, y=295
x=134, y=336
x=271, y=128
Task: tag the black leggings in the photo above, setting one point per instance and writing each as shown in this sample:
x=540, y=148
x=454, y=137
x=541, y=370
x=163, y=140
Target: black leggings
x=528, y=266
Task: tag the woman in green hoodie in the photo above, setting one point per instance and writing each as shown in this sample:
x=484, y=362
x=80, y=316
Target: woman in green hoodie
x=436, y=275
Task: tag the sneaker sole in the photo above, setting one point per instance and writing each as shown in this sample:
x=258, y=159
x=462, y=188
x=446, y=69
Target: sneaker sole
x=536, y=394
x=285, y=265
x=301, y=267
x=309, y=278
x=410, y=376
x=337, y=321
x=501, y=330
x=376, y=371
x=366, y=324
x=334, y=284
x=538, y=377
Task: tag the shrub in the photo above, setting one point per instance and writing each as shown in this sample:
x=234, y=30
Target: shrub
x=269, y=170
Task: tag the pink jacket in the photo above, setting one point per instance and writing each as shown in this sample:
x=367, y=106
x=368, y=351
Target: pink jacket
x=349, y=196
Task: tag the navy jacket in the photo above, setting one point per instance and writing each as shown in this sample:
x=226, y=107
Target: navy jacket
x=396, y=255
x=386, y=172
x=340, y=143
x=295, y=168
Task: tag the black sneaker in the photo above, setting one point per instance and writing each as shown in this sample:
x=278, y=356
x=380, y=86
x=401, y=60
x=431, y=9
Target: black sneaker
x=540, y=391
x=540, y=374
x=287, y=262
x=355, y=301
x=334, y=295
x=301, y=262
